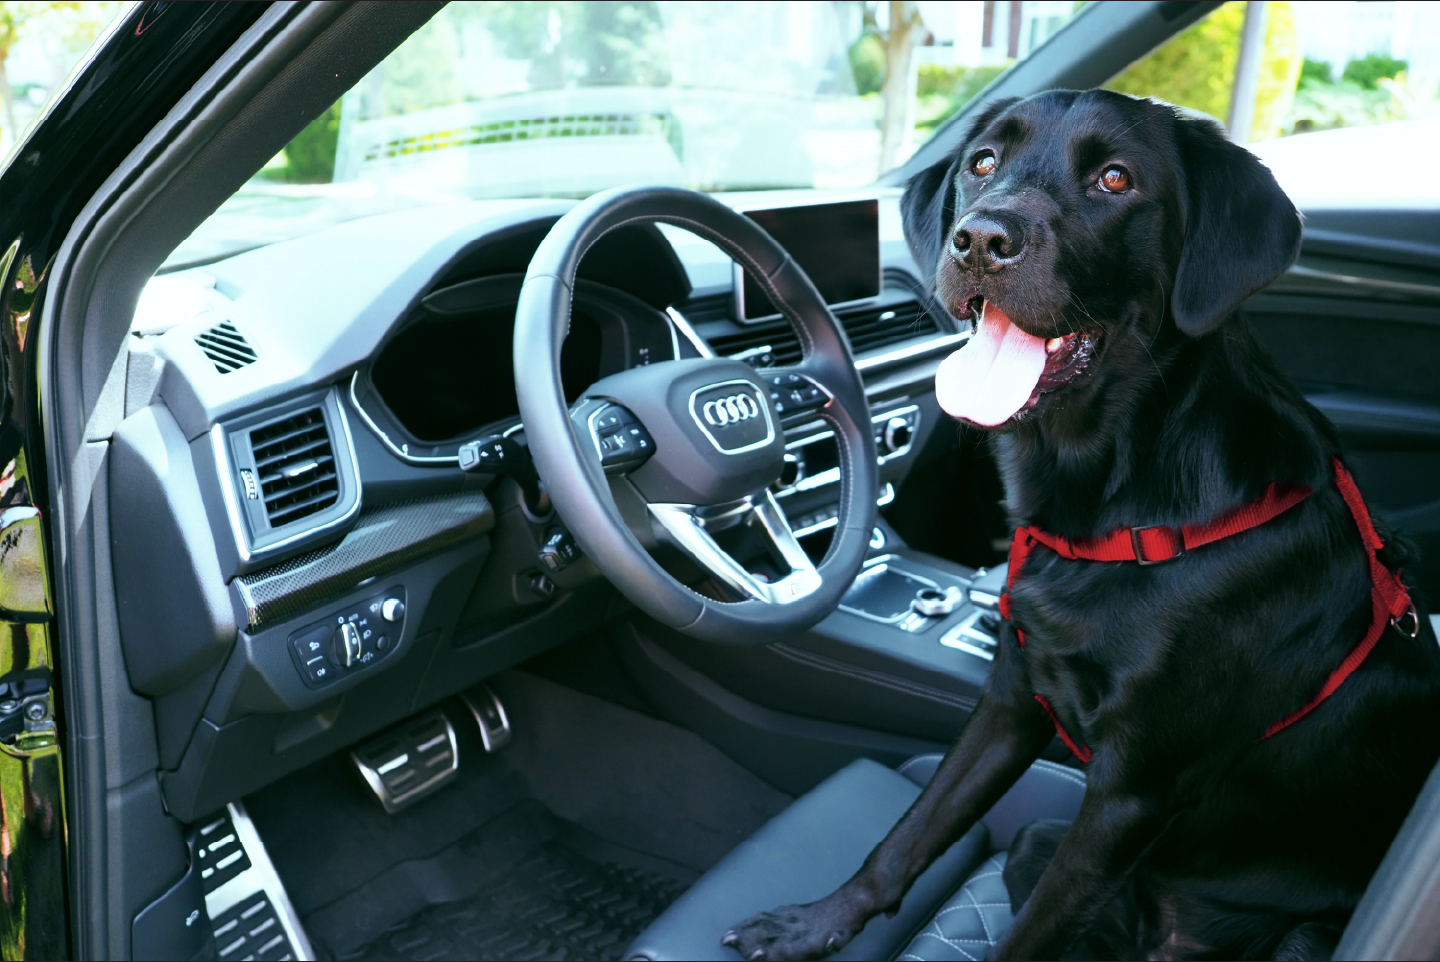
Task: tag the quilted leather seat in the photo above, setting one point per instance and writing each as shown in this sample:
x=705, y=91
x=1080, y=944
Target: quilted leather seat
x=956, y=910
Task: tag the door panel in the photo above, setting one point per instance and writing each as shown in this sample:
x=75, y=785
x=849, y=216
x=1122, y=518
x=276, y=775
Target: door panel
x=1357, y=324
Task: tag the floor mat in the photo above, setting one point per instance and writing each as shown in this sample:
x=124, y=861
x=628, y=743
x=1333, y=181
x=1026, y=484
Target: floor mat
x=524, y=886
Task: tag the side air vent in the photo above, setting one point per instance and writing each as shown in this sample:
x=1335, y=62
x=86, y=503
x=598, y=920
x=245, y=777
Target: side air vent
x=226, y=347
x=295, y=467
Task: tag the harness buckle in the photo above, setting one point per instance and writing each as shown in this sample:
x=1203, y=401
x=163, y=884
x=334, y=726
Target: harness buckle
x=1413, y=615
x=1139, y=552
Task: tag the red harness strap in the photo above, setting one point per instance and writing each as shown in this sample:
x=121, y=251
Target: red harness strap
x=1153, y=544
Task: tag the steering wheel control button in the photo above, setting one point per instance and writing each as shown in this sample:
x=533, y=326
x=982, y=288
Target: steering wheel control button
x=620, y=438
x=792, y=394
x=734, y=415
x=349, y=639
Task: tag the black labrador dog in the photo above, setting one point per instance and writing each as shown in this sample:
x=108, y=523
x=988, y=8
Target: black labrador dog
x=1102, y=246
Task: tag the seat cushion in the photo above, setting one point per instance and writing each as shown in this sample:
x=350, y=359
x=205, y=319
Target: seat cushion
x=803, y=854
x=817, y=843
x=970, y=921
x=1046, y=790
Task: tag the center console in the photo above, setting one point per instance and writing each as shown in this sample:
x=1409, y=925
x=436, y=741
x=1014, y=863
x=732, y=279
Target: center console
x=809, y=489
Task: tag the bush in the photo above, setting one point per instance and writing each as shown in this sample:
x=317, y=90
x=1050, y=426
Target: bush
x=1197, y=68
x=1316, y=72
x=941, y=91
x=1367, y=72
x=311, y=155
x=867, y=63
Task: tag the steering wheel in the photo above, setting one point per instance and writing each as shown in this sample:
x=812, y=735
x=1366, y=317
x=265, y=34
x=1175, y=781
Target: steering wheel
x=698, y=442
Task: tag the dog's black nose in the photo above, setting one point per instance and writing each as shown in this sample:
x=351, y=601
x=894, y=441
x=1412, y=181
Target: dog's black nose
x=987, y=240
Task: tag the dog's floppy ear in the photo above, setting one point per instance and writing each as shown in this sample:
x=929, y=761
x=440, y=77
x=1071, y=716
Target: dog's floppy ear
x=927, y=208
x=1241, y=231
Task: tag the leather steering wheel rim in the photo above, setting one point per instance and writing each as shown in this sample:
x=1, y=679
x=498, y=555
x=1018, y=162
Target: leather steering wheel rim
x=570, y=465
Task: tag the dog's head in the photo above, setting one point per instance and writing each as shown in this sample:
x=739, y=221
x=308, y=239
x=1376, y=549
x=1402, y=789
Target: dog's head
x=1074, y=229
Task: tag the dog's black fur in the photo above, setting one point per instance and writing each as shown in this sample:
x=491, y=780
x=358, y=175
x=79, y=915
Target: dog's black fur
x=1195, y=838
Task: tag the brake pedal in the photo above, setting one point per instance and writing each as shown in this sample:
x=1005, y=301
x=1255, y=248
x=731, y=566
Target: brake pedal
x=410, y=761
x=490, y=715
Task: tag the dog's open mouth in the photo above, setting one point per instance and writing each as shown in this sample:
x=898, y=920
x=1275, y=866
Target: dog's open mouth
x=1003, y=371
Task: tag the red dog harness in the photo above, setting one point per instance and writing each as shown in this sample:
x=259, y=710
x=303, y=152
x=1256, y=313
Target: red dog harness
x=1153, y=544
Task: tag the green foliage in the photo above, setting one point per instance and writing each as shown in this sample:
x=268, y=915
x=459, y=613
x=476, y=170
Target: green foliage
x=310, y=157
x=867, y=63
x=941, y=91
x=1316, y=72
x=1367, y=72
x=1197, y=68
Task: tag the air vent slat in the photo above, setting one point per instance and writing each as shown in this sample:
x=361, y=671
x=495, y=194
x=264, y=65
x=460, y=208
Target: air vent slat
x=226, y=347
x=272, y=486
x=300, y=443
x=868, y=330
x=294, y=453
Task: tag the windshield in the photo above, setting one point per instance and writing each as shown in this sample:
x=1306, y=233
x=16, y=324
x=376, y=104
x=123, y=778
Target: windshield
x=495, y=100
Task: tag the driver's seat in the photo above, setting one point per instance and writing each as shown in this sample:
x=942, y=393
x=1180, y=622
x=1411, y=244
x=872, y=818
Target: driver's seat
x=956, y=910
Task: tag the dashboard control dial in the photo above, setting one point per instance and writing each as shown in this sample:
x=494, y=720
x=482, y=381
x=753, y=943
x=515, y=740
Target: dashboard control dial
x=345, y=645
x=898, y=434
x=393, y=609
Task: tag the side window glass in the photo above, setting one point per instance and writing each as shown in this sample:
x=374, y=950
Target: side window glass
x=40, y=44
x=1308, y=86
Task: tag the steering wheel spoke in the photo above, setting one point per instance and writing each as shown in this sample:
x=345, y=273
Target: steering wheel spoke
x=693, y=529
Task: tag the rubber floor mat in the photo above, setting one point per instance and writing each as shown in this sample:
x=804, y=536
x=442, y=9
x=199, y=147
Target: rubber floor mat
x=517, y=888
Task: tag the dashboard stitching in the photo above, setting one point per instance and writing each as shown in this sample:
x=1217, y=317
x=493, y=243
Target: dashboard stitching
x=884, y=680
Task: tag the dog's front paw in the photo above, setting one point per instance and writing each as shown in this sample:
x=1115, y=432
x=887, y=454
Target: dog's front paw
x=789, y=932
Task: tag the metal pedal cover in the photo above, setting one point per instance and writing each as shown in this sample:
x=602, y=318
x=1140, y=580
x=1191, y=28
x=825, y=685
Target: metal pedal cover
x=249, y=909
x=490, y=715
x=411, y=760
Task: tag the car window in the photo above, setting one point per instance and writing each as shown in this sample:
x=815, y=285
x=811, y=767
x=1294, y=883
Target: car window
x=494, y=100
x=41, y=41
x=1317, y=88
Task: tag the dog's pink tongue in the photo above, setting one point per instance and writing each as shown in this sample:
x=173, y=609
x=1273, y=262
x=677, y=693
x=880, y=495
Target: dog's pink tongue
x=994, y=374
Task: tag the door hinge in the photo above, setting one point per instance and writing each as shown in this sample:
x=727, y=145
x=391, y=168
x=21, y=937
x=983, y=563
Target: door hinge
x=26, y=705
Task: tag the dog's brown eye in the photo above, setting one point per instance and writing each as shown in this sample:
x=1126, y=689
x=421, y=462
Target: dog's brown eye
x=1115, y=179
x=984, y=165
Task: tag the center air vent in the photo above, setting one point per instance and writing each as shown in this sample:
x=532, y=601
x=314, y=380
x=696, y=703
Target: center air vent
x=295, y=467
x=226, y=347
x=869, y=328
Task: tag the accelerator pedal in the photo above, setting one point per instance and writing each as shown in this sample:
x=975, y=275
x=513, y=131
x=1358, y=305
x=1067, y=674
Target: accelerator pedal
x=409, y=761
x=490, y=715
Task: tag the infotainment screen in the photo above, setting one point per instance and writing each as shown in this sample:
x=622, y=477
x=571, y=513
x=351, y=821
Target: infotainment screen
x=838, y=245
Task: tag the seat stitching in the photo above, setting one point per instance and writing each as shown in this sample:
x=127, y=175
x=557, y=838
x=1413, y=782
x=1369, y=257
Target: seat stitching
x=954, y=944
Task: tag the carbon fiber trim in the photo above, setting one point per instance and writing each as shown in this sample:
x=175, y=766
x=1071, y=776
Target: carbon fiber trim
x=382, y=540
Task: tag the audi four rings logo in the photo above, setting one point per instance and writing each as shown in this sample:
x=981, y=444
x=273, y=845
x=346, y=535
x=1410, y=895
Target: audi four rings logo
x=730, y=410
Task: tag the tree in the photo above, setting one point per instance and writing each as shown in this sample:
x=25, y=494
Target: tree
x=904, y=32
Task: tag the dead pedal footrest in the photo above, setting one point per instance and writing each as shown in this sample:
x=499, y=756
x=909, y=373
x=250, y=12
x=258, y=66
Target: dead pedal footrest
x=411, y=760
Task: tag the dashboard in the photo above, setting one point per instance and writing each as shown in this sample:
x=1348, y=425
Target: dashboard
x=303, y=559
